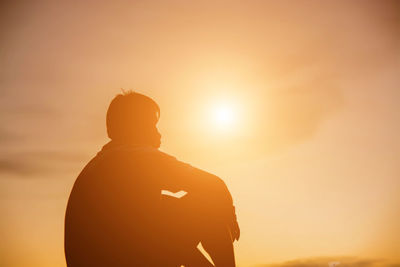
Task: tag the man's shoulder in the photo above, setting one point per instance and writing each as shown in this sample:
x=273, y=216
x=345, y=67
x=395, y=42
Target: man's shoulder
x=152, y=155
x=152, y=152
x=139, y=152
x=167, y=158
x=111, y=148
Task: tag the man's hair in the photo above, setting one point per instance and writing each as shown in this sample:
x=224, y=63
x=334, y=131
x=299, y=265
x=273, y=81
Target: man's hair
x=132, y=115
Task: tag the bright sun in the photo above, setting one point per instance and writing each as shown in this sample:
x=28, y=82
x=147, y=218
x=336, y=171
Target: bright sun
x=224, y=116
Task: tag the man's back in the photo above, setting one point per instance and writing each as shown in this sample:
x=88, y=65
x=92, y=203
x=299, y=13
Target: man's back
x=114, y=212
x=113, y=202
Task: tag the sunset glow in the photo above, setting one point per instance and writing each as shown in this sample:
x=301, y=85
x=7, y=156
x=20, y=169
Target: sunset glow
x=293, y=103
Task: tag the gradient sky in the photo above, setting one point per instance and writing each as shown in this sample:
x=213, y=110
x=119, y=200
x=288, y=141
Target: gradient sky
x=312, y=160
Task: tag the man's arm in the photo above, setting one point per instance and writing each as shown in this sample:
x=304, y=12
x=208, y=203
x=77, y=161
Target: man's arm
x=211, y=189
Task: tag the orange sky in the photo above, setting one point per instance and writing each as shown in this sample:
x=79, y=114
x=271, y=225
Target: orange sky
x=312, y=160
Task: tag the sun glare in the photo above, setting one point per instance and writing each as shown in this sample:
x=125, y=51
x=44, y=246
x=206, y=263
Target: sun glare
x=224, y=116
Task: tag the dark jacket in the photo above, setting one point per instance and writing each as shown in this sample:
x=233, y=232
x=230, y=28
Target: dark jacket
x=114, y=215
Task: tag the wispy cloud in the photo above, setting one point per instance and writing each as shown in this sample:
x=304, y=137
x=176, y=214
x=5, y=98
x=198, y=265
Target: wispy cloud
x=40, y=162
x=8, y=136
x=16, y=167
x=333, y=262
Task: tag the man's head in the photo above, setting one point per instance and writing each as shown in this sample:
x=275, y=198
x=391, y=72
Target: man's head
x=132, y=118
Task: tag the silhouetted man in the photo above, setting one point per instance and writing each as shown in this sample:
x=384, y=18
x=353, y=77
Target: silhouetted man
x=117, y=216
